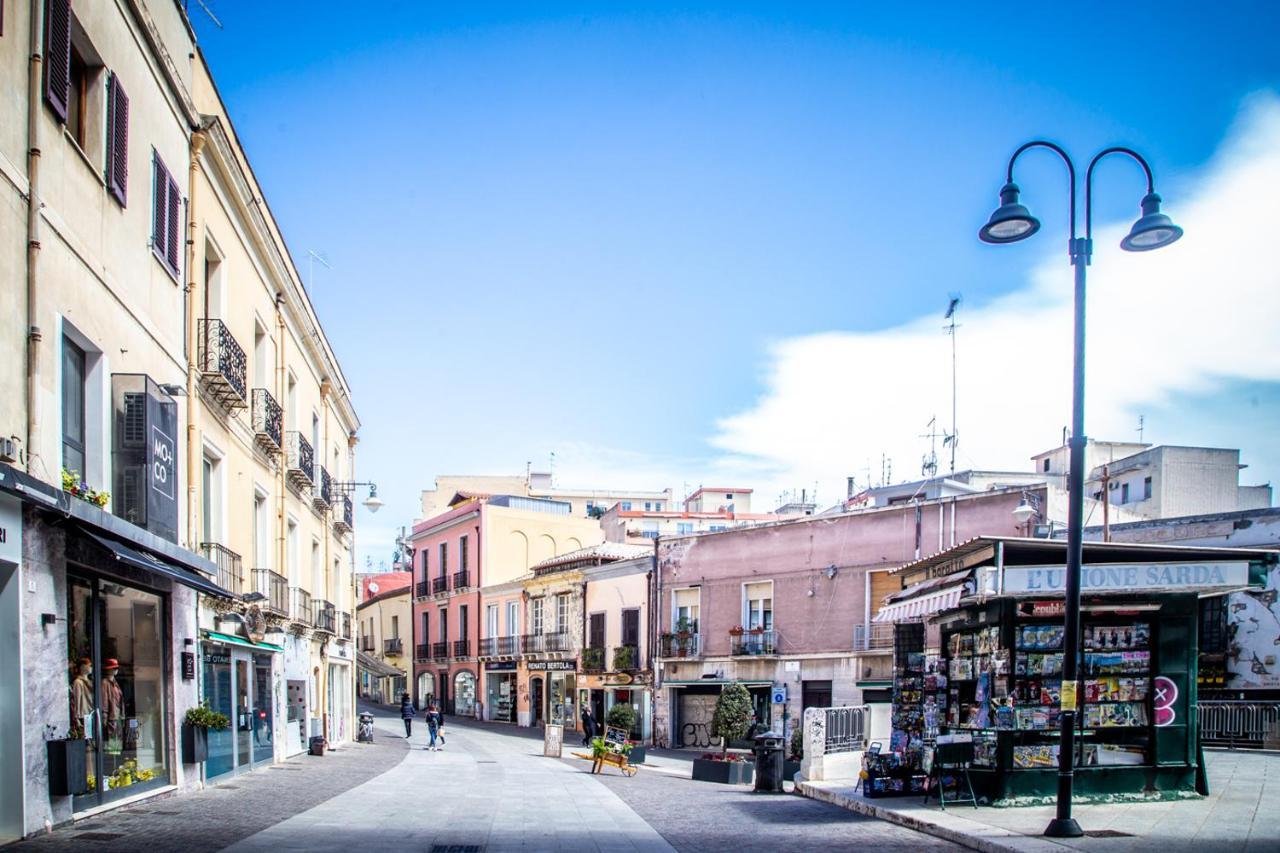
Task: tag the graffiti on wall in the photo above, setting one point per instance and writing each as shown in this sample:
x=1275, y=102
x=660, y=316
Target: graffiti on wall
x=1253, y=636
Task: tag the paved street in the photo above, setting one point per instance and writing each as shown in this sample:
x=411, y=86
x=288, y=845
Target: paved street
x=490, y=789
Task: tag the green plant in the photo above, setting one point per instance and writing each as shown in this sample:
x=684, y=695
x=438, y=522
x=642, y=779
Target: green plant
x=621, y=716
x=684, y=626
x=592, y=658
x=598, y=747
x=72, y=483
x=624, y=658
x=732, y=716
x=797, y=744
x=204, y=717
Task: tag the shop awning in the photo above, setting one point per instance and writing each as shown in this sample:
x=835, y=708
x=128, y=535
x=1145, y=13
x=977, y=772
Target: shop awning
x=147, y=562
x=376, y=667
x=232, y=640
x=923, y=599
x=693, y=682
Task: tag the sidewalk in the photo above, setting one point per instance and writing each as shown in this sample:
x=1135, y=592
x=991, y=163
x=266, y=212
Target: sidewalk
x=1241, y=815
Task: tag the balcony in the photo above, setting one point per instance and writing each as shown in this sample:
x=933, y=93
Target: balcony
x=440, y=651
x=541, y=643
x=676, y=646
x=300, y=605
x=753, y=643
x=461, y=580
x=346, y=626
x=267, y=422
x=491, y=647
x=275, y=587
x=462, y=648
x=422, y=589
x=322, y=495
x=222, y=365
x=877, y=636
x=422, y=652
x=393, y=647
x=626, y=658
x=324, y=616
x=439, y=585
x=230, y=574
x=299, y=460
x=593, y=659
x=366, y=644
x=343, y=516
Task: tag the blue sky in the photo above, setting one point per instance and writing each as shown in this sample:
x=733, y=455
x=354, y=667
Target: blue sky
x=598, y=230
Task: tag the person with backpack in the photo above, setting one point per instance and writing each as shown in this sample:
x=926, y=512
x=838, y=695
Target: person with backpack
x=407, y=713
x=435, y=728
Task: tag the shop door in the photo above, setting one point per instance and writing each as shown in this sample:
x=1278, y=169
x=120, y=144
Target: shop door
x=443, y=698
x=264, y=747
x=815, y=694
x=535, y=699
x=238, y=684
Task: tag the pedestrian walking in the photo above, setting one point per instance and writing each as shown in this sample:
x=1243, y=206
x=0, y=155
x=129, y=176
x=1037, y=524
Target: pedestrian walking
x=588, y=726
x=435, y=728
x=407, y=713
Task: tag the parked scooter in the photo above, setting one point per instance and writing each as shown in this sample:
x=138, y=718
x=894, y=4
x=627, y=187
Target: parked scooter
x=364, y=734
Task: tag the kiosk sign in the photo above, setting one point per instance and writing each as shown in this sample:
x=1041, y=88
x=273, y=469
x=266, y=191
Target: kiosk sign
x=1123, y=577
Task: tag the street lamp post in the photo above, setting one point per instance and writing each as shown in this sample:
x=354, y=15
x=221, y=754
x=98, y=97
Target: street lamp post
x=1010, y=223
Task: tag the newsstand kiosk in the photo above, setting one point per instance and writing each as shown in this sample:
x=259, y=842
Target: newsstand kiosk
x=996, y=672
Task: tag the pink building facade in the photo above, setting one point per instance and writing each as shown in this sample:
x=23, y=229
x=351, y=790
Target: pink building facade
x=787, y=608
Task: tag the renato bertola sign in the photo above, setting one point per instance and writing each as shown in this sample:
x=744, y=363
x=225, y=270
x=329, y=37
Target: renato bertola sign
x=1119, y=577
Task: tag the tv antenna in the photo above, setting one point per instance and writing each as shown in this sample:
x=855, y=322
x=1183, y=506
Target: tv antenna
x=204, y=7
x=312, y=257
x=1142, y=425
x=929, y=464
x=953, y=439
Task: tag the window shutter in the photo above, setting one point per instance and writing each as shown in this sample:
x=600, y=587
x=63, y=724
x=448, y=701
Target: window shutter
x=175, y=207
x=57, y=56
x=117, y=141
x=159, y=219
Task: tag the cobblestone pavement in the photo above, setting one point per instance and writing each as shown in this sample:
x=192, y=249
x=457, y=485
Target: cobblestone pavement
x=220, y=815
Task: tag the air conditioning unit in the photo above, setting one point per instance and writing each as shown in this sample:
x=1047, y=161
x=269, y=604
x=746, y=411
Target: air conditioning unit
x=9, y=450
x=145, y=454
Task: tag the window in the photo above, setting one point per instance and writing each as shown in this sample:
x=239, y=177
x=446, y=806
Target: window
x=684, y=528
x=57, y=57
x=317, y=455
x=261, y=356
x=261, y=530
x=648, y=506
x=686, y=609
x=211, y=497
x=117, y=140
x=1124, y=493
x=631, y=627
x=444, y=559
x=462, y=554
x=426, y=627
x=395, y=627
x=562, y=613
x=758, y=605
x=317, y=571
x=73, y=406
x=537, y=614
x=626, y=506
x=729, y=496
x=491, y=620
x=1046, y=465
x=595, y=631
x=444, y=625
x=716, y=528
x=295, y=575
x=1146, y=488
x=165, y=216
x=657, y=507
x=513, y=618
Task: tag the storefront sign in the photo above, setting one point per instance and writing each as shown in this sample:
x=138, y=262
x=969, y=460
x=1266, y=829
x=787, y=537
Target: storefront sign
x=188, y=666
x=217, y=655
x=1042, y=608
x=553, y=666
x=162, y=462
x=620, y=678
x=1122, y=577
x=499, y=666
x=1166, y=693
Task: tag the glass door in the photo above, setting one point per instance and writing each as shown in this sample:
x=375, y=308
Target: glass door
x=242, y=721
x=263, y=719
x=218, y=694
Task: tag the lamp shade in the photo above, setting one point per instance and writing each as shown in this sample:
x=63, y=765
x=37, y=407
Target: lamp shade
x=1023, y=511
x=1011, y=221
x=1153, y=230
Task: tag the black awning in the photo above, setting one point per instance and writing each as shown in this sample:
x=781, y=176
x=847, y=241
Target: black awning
x=149, y=562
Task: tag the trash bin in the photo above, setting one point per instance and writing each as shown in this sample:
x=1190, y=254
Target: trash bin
x=317, y=745
x=768, y=751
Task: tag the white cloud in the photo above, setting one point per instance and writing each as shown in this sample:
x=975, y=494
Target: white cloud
x=1162, y=326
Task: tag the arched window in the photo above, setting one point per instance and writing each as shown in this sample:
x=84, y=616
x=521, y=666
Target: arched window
x=426, y=689
x=464, y=694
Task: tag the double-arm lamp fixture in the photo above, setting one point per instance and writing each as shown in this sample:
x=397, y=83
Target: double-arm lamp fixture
x=1010, y=223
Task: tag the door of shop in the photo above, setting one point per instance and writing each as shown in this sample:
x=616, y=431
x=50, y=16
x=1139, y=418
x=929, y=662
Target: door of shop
x=237, y=683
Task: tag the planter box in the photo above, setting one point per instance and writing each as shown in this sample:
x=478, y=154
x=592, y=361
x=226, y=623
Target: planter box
x=195, y=744
x=636, y=756
x=68, y=772
x=724, y=772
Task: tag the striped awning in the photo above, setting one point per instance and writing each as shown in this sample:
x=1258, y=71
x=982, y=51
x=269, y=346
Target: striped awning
x=925, y=604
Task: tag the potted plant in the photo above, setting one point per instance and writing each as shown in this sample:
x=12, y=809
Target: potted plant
x=624, y=658
x=72, y=483
x=791, y=766
x=195, y=731
x=736, y=631
x=622, y=716
x=68, y=766
x=592, y=659
x=684, y=627
x=730, y=721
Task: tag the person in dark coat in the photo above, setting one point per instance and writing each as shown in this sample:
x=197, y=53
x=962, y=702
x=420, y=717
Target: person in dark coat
x=588, y=726
x=407, y=713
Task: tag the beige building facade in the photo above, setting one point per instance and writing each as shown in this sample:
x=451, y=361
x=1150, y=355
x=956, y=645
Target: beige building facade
x=384, y=624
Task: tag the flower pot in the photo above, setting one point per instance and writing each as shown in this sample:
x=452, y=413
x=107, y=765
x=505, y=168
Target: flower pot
x=724, y=772
x=195, y=744
x=68, y=773
x=636, y=755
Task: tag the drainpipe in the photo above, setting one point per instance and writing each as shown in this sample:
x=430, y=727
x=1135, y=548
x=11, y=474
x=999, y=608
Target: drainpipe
x=197, y=144
x=325, y=391
x=281, y=546
x=33, y=235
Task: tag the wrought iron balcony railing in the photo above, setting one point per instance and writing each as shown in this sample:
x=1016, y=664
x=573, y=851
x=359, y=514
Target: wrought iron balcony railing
x=268, y=420
x=499, y=646
x=422, y=589
x=461, y=580
x=753, y=643
x=626, y=658
x=422, y=652
x=539, y=643
x=300, y=605
x=876, y=635
x=440, y=650
x=322, y=494
x=593, y=659
x=488, y=647
x=394, y=646
x=230, y=575
x=462, y=648
x=275, y=587
x=439, y=585
x=299, y=464
x=222, y=365
x=675, y=646
x=366, y=643
x=325, y=618
x=343, y=516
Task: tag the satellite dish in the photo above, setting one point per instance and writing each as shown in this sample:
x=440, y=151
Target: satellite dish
x=373, y=587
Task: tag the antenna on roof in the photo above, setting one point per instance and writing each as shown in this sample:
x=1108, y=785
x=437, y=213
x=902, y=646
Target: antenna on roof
x=311, y=267
x=204, y=8
x=1142, y=425
x=929, y=465
x=953, y=439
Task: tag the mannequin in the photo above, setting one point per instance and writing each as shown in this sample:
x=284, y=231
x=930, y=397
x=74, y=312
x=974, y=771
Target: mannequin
x=82, y=697
x=112, y=702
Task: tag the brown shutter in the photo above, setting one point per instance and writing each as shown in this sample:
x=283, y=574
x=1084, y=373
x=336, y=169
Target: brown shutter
x=57, y=56
x=117, y=141
x=175, y=208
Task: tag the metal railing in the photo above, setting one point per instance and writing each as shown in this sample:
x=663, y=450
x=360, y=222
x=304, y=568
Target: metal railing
x=462, y=648
x=462, y=579
x=626, y=658
x=343, y=514
x=300, y=460
x=422, y=589
x=422, y=652
x=440, y=650
x=1239, y=723
x=230, y=574
x=366, y=643
x=754, y=643
x=537, y=643
x=222, y=364
x=593, y=659
x=876, y=635
x=509, y=645
x=846, y=729
x=346, y=626
x=275, y=587
x=300, y=605
x=325, y=616
x=268, y=419
x=394, y=646
x=439, y=585
x=488, y=647
x=322, y=497
x=675, y=646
